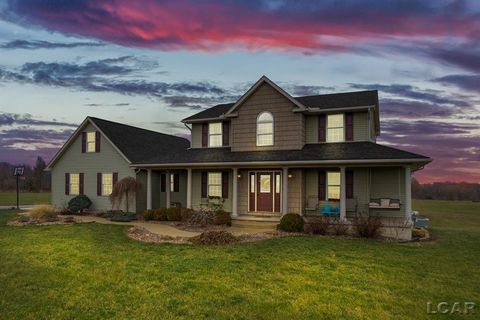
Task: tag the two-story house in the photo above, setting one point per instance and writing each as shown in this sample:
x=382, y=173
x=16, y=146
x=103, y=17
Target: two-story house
x=262, y=156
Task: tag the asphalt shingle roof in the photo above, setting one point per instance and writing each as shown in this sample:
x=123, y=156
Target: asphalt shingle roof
x=311, y=152
x=322, y=101
x=140, y=145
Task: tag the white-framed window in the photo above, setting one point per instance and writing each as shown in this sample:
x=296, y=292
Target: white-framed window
x=333, y=185
x=172, y=182
x=107, y=184
x=215, y=134
x=277, y=183
x=74, y=183
x=335, y=128
x=91, y=136
x=265, y=129
x=214, y=184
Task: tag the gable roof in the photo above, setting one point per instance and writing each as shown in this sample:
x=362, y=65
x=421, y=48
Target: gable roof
x=311, y=153
x=134, y=144
x=308, y=104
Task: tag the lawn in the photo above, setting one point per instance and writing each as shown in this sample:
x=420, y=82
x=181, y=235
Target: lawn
x=90, y=271
x=9, y=198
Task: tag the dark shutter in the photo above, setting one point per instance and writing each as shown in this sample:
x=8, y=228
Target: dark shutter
x=176, y=182
x=204, y=184
x=225, y=134
x=81, y=182
x=349, y=183
x=97, y=141
x=349, y=126
x=205, y=135
x=114, y=179
x=224, y=185
x=322, y=128
x=67, y=183
x=321, y=185
x=84, y=142
x=163, y=182
x=99, y=184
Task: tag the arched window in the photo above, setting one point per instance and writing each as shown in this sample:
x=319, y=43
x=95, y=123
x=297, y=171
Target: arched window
x=265, y=129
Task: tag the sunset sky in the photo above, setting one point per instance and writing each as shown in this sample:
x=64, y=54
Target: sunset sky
x=150, y=63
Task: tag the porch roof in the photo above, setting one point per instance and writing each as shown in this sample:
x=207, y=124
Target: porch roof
x=351, y=151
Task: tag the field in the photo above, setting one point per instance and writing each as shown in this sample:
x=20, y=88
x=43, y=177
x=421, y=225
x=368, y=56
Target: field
x=90, y=271
x=9, y=198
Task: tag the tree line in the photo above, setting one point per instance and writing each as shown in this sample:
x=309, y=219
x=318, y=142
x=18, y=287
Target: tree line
x=446, y=191
x=34, y=179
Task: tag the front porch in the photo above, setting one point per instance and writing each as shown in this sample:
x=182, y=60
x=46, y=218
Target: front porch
x=270, y=192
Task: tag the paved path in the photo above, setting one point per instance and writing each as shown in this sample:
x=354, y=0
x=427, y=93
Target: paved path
x=22, y=207
x=158, y=228
x=163, y=229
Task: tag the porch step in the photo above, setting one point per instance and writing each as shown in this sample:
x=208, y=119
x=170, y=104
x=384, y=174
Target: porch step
x=265, y=223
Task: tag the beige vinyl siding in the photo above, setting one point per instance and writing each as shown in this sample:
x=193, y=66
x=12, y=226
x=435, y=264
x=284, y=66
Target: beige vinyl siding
x=296, y=191
x=196, y=135
x=197, y=189
x=289, y=128
x=74, y=161
x=360, y=126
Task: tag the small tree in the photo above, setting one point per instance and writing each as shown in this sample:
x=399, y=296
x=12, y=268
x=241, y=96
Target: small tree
x=124, y=189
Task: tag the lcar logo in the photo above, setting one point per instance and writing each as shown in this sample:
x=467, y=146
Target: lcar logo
x=444, y=307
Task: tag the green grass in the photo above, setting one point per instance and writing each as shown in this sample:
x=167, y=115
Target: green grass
x=91, y=271
x=9, y=198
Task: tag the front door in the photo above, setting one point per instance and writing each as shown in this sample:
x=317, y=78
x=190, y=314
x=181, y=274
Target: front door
x=265, y=191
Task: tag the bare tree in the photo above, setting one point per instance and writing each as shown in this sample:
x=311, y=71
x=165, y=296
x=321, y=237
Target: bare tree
x=124, y=189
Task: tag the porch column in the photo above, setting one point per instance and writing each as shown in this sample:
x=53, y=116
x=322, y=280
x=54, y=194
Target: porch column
x=189, y=188
x=343, y=194
x=149, y=189
x=285, y=191
x=167, y=190
x=235, y=193
x=408, y=193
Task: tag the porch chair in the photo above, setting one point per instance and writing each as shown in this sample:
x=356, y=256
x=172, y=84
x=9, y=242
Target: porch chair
x=329, y=211
x=312, y=205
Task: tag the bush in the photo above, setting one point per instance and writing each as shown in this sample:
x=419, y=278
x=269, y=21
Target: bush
x=214, y=238
x=368, y=227
x=339, y=227
x=43, y=212
x=186, y=213
x=291, y=222
x=420, y=233
x=173, y=214
x=123, y=216
x=79, y=203
x=202, y=217
x=317, y=225
x=222, y=218
x=168, y=214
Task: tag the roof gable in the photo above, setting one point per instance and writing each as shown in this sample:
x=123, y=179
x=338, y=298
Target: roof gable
x=254, y=88
x=132, y=143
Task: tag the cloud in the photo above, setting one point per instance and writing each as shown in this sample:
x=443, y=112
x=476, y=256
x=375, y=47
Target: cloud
x=118, y=75
x=469, y=82
x=10, y=119
x=40, y=44
x=308, y=90
x=414, y=109
x=306, y=26
x=453, y=146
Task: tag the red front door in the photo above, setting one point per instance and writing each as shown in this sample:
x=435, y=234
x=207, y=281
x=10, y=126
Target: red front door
x=265, y=191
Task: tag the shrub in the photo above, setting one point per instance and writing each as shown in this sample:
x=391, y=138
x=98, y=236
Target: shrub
x=339, y=227
x=174, y=214
x=149, y=214
x=368, y=226
x=123, y=216
x=186, y=213
x=291, y=222
x=79, y=203
x=160, y=214
x=317, y=225
x=43, y=212
x=420, y=233
x=222, y=218
x=214, y=238
x=202, y=217
x=23, y=218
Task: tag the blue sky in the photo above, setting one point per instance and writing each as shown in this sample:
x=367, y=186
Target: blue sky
x=151, y=63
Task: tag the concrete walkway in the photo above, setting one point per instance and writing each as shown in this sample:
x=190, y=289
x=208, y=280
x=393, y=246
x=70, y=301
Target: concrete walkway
x=165, y=229
x=157, y=228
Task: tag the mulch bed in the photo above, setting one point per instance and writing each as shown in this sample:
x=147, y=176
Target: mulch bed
x=61, y=220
